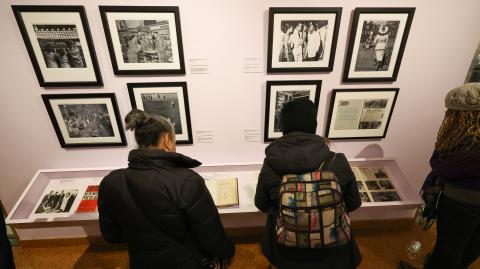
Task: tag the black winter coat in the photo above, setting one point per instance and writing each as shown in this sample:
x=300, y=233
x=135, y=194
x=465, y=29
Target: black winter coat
x=184, y=222
x=6, y=254
x=298, y=153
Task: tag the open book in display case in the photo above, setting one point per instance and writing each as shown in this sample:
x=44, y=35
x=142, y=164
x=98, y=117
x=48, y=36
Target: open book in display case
x=45, y=202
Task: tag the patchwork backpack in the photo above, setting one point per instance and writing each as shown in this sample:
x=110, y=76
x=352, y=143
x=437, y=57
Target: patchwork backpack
x=312, y=211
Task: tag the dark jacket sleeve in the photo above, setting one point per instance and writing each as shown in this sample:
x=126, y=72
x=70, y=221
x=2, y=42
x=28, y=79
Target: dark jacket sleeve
x=6, y=254
x=345, y=175
x=109, y=228
x=204, y=220
x=266, y=196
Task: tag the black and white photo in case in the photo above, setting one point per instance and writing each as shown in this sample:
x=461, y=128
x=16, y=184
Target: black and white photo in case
x=85, y=120
x=169, y=100
x=302, y=39
x=59, y=44
x=376, y=44
x=143, y=40
x=57, y=201
x=360, y=113
x=365, y=198
x=385, y=196
x=281, y=92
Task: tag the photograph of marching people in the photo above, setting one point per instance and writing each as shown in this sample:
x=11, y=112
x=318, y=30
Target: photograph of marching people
x=281, y=92
x=166, y=99
x=376, y=43
x=59, y=45
x=302, y=39
x=143, y=40
x=59, y=198
x=82, y=120
x=360, y=113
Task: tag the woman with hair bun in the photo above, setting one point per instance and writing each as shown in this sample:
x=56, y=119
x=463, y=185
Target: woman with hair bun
x=159, y=206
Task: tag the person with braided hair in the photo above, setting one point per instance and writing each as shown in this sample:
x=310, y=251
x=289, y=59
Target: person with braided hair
x=452, y=189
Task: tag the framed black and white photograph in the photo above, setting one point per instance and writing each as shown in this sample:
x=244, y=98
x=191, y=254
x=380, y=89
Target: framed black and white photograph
x=360, y=113
x=85, y=120
x=376, y=44
x=144, y=39
x=59, y=44
x=302, y=39
x=281, y=92
x=167, y=99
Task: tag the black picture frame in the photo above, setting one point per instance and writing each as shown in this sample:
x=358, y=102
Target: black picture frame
x=352, y=37
x=19, y=9
x=143, y=9
x=48, y=97
x=269, y=84
x=333, y=101
x=302, y=10
x=131, y=92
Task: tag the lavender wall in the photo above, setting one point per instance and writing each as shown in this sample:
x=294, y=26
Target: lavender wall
x=442, y=40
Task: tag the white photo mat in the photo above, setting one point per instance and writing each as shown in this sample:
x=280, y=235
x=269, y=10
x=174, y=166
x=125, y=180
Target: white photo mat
x=168, y=16
x=55, y=103
x=402, y=18
x=273, y=94
x=278, y=34
x=61, y=18
x=360, y=95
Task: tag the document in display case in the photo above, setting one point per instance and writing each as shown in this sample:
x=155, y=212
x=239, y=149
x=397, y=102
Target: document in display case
x=224, y=191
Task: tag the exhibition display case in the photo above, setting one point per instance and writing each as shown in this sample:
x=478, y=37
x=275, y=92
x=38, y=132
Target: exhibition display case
x=32, y=210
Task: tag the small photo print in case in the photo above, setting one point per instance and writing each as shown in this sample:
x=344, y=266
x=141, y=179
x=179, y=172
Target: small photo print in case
x=364, y=197
x=386, y=185
x=360, y=185
x=372, y=185
x=385, y=196
x=380, y=173
x=59, y=198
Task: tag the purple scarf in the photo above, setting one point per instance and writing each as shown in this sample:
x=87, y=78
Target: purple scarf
x=460, y=167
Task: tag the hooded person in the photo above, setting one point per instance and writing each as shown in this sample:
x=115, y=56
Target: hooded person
x=300, y=151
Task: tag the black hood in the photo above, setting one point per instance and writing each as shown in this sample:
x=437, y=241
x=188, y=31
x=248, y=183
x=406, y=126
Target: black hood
x=297, y=153
x=156, y=158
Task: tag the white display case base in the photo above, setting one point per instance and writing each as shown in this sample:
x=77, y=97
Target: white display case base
x=247, y=174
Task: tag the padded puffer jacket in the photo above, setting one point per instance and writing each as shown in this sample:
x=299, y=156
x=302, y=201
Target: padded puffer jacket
x=180, y=223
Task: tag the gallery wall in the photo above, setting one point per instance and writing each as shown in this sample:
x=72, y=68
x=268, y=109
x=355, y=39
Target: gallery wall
x=227, y=101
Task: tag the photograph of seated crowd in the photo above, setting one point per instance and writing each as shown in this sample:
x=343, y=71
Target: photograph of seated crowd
x=376, y=45
x=60, y=46
x=303, y=40
x=59, y=201
x=87, y=120
x=145, y=41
